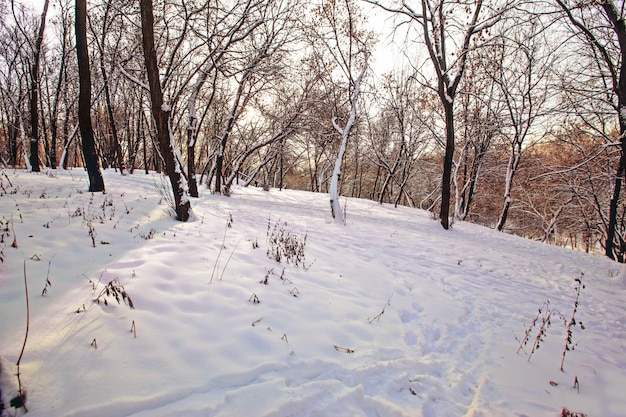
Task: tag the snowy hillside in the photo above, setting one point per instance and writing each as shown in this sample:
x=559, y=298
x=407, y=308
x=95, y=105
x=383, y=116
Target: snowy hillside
x=388, y=316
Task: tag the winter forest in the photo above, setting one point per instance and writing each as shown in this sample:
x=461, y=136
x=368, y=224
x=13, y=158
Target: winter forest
x=505, y=113
x=346, y=208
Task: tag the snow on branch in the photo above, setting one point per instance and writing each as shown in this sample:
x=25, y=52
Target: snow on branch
x=133, y=78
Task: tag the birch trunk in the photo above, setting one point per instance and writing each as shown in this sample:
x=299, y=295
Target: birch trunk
x=335, y=207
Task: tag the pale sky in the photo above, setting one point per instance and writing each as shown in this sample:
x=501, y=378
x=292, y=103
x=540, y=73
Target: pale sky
x=37, y=4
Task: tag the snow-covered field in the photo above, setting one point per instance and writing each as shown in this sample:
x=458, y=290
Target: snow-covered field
x=390, y=315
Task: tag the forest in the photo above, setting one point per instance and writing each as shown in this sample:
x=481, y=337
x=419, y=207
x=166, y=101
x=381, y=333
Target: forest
x=506, y=113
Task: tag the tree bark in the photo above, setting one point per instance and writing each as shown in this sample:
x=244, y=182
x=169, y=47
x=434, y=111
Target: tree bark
x=617, y=72
x=92, y=162
x=160, y=112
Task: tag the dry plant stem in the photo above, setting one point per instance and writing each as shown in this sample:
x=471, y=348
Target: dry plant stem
x=218, y=255
x=133, y=329
x=14, y=244
x=92, y=234
x=228, y=260
x=48, y=282
x=569, y=344
x=19, y=379
x=543, y=328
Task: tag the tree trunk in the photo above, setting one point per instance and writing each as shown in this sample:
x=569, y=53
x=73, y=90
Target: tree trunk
x=610, y=245
x=34, y=95
x=444, y=213
x=13, y=147
x=619, y=26
x=335, y=206
x=511, y=169
x=191, y=168
x=160, y=112
x=92, y=163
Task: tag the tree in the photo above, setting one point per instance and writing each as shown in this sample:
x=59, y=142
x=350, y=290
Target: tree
x=399, y=136
x=161, y=114
x=479, y=121
x=34, y=85
x=443, y=23
x=60, y=89
x=101, y=41
x=14, y=71
x=237, y=27
x=608, y=45
x=521, y=77
x=92, y=162
x=340, y=43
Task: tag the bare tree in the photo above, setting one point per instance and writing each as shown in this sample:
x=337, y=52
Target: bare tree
x=608, y=45
x=521, y=77
x=60, y=88
x=234, y=26
x=399, y=135
x=35, y=47
x=161, y=114
x=479, y=121
x=341, y=43
x=443, y=23
x=92, y=161
x=14, y=84
x=108, y=15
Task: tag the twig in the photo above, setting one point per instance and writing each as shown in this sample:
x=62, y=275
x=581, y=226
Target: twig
x=343, y=349
x=94, y=343
x=133, y=329
x=19, y=379
x=379, y=315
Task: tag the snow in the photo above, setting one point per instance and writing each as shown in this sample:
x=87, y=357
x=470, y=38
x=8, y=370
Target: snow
x=391, y=315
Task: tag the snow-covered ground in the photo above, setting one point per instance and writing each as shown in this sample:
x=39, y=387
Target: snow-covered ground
x=390, y=315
